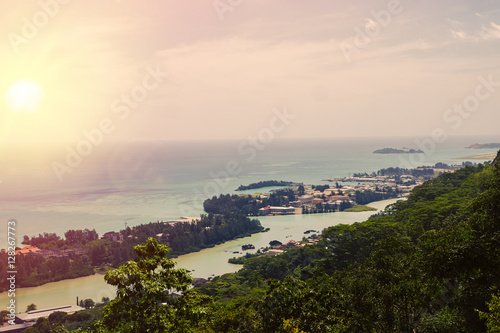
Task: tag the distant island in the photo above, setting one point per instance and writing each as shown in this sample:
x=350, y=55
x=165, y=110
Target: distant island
x=484, y=146
x=265, y=183
x=397, y=151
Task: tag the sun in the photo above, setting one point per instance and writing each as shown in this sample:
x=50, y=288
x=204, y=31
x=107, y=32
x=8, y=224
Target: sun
x=24, y=96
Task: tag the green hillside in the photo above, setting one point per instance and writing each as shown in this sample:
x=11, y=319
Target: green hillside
x=427, y=264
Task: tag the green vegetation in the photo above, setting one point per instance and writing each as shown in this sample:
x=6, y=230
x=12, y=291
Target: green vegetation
x=360, y=208
x=241, y=260
x=74, y=238
x=31, y=307
x=3, y=316
x=81, y=321
x=426, y=172
x=265, y=183
x=145, y=299
x=301, y=189
x=69, y=258
x=249, y=206
x=246, y=204
x=328, y=208
x=365, y=197
x=34, y=270
x=492, y=317
x=320, y=188
x=87, y=303
x=210, y=230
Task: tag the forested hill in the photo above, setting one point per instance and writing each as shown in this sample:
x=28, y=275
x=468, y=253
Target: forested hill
x=428, y=264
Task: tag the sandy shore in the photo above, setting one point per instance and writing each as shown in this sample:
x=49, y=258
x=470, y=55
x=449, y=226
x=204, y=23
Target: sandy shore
x=480, y=157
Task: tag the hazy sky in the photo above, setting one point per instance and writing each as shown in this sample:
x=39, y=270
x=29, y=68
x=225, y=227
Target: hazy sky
x=204, y=69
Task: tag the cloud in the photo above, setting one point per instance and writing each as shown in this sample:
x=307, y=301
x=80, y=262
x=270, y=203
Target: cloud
x=459, y=34
x=263, y=55
x=454, y=22
x=490, y=31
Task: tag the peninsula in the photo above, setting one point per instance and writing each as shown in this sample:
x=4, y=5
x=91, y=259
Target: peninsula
x=265, y=183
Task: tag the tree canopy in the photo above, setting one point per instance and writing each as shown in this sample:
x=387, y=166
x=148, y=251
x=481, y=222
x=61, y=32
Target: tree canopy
x=152, y=295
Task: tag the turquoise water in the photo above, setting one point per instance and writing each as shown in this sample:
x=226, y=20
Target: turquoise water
x=142, y=182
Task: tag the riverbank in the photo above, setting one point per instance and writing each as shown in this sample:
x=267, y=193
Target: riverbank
x=51, y=258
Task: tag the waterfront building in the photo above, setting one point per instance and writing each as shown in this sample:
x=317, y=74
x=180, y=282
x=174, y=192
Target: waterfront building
x=306, y=199
x=273, y=210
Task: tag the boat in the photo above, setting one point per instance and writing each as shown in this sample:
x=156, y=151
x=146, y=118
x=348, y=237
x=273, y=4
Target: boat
x=247, y=247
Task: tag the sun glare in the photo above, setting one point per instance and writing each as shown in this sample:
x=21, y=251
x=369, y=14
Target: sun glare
x=24, y=96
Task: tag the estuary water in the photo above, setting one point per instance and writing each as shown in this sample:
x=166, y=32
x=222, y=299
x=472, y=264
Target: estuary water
x=121, y=184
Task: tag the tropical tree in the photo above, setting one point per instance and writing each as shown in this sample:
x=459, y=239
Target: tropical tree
x=31, y=307
x=152, y=296
x=87, y=304
x=3, y=316
x=301, y=190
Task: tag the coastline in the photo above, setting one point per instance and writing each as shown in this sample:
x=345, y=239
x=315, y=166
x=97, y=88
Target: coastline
x=490, y=156
x=313, y=193
x=310, y=200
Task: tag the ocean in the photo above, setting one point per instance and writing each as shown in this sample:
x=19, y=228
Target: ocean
x=131, y=183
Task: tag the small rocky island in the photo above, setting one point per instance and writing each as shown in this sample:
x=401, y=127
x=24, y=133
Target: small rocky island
x=397, y=151
x=484, y=146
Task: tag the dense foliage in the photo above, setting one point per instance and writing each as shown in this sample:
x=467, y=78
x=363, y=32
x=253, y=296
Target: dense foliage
x=145, y=301
x=210, y=230
x=428, y=264
x=62, y=262
x=365, y=197
x=52, y=240
x=246, y=204
x=320, y=188
x=59, y=321
x=397, y=171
